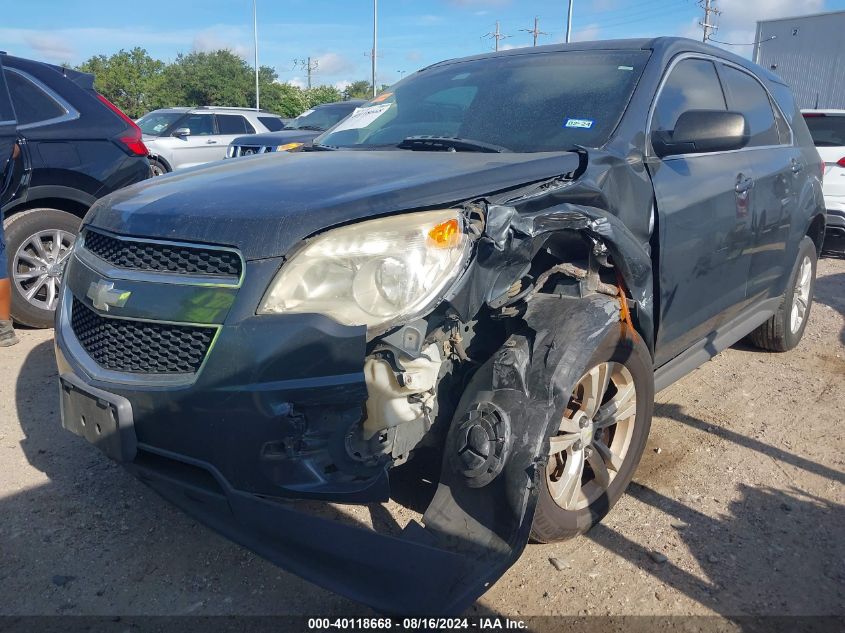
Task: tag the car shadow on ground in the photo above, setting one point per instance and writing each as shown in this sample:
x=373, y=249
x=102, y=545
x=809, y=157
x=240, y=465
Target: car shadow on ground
x=774, y=551
x=830, y=291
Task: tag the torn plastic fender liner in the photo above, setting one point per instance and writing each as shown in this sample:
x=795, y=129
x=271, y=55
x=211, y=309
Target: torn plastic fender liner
x=500, y=428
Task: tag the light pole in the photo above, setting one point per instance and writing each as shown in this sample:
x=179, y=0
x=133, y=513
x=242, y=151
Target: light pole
x=255, y=42
x=569, y=22
x=375, y=44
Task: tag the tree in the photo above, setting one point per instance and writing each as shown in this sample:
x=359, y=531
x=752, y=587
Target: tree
x=322, y=94
x=129, y=79
x=361, y=89
x=219, y=78
x=284, y=99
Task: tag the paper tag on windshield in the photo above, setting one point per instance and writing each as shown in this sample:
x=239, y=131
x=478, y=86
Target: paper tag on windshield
x=362, y=117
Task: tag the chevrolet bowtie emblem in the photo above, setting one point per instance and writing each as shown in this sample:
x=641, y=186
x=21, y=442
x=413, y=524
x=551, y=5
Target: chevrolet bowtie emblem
x=103, y=295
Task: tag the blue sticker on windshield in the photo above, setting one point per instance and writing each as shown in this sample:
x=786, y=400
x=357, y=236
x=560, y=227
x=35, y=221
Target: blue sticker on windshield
x=582, y=123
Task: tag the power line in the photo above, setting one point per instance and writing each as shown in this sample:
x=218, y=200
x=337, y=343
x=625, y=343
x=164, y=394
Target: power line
x=308, y=66
x=497, y=35
x=535, y=31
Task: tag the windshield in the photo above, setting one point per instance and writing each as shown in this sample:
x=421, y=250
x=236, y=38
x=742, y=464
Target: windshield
x=156, y=123
x=827, y=130
x=319, y=119
x=521, y=103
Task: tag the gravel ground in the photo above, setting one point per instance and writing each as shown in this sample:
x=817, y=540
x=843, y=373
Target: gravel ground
x=738, y=507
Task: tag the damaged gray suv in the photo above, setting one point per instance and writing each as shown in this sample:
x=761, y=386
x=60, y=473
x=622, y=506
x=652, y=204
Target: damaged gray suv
x=462, y=297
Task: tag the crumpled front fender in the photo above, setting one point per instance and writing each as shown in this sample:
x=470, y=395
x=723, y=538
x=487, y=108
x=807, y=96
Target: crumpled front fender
x=524, y=388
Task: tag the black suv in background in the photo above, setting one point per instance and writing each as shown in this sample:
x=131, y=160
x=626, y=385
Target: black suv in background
x=297, y=133
x=79, y=147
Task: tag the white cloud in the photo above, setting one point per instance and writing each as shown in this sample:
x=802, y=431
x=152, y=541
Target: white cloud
x=50, y=47
x=342, y=85
x=299, y=82
x=333, y=64
x=217, y=38
x=587, y=33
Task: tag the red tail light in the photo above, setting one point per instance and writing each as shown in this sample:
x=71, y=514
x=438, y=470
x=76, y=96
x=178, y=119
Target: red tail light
x=841, y=162
x=131, y=138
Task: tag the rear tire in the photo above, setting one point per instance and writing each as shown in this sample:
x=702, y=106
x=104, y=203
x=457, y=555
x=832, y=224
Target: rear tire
x=628, y=373
x=34, y=266
x=784, y=330
x=157, y=168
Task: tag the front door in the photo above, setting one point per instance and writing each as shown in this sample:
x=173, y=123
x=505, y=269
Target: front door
x=703, y=219
x=200, y=146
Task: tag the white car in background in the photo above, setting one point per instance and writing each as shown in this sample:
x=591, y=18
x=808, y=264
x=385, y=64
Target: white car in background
x=827, y=128
x=185, y=137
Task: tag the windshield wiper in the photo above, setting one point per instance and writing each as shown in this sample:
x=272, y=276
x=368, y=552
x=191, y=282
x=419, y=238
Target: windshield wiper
x=313, y=128
x=448, y=144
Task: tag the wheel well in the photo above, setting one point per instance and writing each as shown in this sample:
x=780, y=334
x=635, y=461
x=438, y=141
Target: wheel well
x=62, y=204
x=816, y=232
x=159, y=159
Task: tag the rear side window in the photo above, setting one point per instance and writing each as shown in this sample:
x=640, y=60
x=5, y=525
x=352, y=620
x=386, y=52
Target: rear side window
x=272, y=123
x=233, y=124
x=32, y=104
x=7, y=112
x=746, y=95
x=827, y=130
x=692, y=85
x=199, y=124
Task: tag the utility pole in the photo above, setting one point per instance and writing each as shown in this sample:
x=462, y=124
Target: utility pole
x=569, y=22
x=535, y=31
x=707, y=25
x=308, y=66
x=375, y=45
x=497, y=35
x=255, y=42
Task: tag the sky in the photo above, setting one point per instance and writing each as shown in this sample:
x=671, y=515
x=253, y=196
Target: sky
x=338, y=33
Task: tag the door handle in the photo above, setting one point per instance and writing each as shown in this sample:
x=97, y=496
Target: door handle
x=744, y=184
x=796, y=166
x=210, y=142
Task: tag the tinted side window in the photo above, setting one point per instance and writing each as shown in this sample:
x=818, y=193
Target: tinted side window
x=272, y=123
x=746, y=95
x=32, y=104
x=199, y=124
x=233, y=124
x=692, y=85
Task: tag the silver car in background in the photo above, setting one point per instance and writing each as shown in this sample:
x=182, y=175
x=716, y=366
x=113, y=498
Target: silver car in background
x=185, y=137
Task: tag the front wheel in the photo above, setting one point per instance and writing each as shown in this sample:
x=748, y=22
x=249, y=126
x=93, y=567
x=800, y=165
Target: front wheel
x=599, y=442
x=38, y=243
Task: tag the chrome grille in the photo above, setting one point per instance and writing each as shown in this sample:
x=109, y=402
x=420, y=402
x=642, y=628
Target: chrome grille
x=162, y=257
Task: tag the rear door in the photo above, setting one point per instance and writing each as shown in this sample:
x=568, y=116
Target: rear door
x=703, y=218
x=779, y=173
x=230, y=127
x=9, y=176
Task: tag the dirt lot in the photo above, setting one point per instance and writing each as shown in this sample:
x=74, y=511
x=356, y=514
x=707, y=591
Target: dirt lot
x=741, y=490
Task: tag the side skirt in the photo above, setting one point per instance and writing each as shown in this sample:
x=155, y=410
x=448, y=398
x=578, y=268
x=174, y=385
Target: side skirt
x=717, y=341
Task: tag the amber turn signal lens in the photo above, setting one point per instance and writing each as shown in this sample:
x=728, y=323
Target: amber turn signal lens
x=445, y=235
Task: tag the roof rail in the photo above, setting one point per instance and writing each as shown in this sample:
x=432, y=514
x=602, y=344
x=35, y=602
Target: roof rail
x=205, y=107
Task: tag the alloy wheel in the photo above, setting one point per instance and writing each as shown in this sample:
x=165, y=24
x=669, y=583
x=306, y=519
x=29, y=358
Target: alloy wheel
x=801, y=295
x=39, y=264
x=594, y=436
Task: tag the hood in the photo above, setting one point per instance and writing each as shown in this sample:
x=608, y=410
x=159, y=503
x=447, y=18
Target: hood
x=265, y=204
x=277, y=138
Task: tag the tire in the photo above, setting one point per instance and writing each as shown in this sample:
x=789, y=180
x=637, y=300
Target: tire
x=24, y=231
x=158, y=168
x=778, y=334
x=552, y=521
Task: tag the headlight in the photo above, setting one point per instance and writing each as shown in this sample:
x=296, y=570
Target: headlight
x=374, y=273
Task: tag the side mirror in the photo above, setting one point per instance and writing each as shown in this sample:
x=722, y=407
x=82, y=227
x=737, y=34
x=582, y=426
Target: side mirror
x=182, y=132
x=703, y=131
